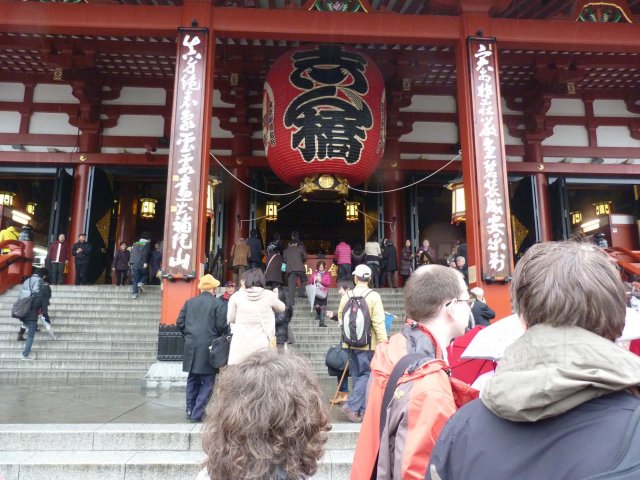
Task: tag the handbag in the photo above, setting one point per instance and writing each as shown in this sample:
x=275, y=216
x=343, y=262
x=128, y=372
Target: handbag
x=336, y=359
x=21, y=308
x=219, y=351
x=321, y=292
x=273, y=344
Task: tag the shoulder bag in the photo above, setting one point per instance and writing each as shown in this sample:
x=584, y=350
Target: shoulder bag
x=219, y=351
x=272, y=340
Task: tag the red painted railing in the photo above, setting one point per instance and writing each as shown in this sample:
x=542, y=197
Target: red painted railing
x=15, y=265
x=628, y=260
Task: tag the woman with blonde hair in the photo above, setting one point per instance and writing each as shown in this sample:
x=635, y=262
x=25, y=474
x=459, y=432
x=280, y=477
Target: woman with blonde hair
x=267, y=420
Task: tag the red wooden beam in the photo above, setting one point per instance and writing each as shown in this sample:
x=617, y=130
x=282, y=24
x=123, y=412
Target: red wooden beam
x=90, y=19
x=95, y=159
x=285, y=24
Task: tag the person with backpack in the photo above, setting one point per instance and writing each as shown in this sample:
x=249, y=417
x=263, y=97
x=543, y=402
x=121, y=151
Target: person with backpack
x=139, y=261
x=361, y=318
x=563, y=403
x=31, y=289
x=411, y=395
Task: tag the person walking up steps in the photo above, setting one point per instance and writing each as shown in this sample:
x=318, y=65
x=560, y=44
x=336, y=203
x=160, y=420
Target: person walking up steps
x=139, y=260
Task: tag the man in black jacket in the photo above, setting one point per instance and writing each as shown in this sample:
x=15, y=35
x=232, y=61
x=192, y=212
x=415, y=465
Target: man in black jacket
x=255, y=245
x=81, y=252
x=482, y=314
x=200, y=321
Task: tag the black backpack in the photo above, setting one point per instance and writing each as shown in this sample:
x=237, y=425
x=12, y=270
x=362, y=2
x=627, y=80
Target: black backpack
x=356, y=322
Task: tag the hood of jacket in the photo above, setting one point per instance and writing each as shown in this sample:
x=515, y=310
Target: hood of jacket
x=551, y=370
x=257, y=293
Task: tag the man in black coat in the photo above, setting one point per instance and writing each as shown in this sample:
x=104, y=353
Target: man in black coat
x=255, y=245
x=81, y=252
x=390, y=263
x=482, y=314
x=200, y=321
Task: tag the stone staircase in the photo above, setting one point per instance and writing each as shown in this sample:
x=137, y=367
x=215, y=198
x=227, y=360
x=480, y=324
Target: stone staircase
x=313, y=341
x=131, y=451
x=102, y=334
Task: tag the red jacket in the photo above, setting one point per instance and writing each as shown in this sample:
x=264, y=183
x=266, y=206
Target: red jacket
x=343, y=254
x=64, y=252
x=325, y=280
x=424, y=400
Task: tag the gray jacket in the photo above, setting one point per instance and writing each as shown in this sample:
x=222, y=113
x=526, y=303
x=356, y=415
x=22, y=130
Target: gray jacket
x=295, y=256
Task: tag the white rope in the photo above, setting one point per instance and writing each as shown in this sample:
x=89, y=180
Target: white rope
x=414, y=183
x=249, y=186
x=280, y=209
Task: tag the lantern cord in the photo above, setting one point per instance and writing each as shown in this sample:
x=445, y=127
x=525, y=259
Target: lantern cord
x=392, y=223
x=414, y=183
x=279, y=210
x=253, y=188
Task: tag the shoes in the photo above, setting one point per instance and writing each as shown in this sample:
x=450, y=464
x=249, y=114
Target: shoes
x=351, y=416
x=188, y=414
x=22, y=357
x=342, y=397
x=322, y=324
x=196, y=420
x=21, y=338
x=134, y=296
x=141, y=287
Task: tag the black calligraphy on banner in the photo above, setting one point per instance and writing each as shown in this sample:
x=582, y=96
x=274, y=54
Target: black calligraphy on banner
x=331, y=117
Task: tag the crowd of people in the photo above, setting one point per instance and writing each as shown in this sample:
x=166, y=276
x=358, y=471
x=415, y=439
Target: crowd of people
x=564, y=382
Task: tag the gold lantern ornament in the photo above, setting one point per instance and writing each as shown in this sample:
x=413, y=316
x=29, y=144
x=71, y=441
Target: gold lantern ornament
x=603, y=208
x=351, y=211
x=6, y=198
x=271, y=211
x=31, y=208
x=576, y=217
x=148, y=208
x=211, y=195
x=458, y=208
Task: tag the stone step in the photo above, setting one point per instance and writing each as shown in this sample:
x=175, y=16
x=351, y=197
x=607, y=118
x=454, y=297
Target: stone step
x=44, y=341
x=61, y=354
x=60, y=327
x=132, y=451
x=138, y=320
x=76, y=376
x=72, y=364
x=91, y=337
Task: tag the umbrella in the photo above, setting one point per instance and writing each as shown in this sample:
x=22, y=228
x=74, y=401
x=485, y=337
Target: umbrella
x=311, y=294
x=467, y=370
x=492, y=341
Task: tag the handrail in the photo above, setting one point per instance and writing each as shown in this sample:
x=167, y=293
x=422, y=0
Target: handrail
x=622, y=257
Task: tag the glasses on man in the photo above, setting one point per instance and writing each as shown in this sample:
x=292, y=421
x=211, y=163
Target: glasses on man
x=468, y=301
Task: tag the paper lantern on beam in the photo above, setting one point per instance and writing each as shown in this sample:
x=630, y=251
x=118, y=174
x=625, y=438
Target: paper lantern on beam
x=31, y=208
x=6, y=198
x=324, y=119
x=148, y=208
x=458, y=207
x=351, y=211
x=271, y=211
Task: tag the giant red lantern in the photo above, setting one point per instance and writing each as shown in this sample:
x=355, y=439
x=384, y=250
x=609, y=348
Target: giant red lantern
x=324, y=119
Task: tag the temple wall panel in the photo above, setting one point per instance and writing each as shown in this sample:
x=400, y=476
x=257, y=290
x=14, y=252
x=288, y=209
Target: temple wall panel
x=137, y=125
x=615, y=137
x=11, y=92
x=507, y=110
x=432, y=103
x=9, y=122
x=611, y=108
x=566, y=106
x=510, y=140
x=217, y=132
x=51, y=123
x=139, y=96
x=568, y=136
x=432, y=132
x=49, y=93
x=217, y=100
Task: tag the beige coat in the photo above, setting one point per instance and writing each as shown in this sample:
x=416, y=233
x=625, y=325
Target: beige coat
x=240, y=253
x=246, y=309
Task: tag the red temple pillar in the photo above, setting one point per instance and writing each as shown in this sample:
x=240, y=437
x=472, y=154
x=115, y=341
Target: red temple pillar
x=533, y=153
x=394, y=211
x=185, y=219
x=237, y=208
x=480, y=129
x=78, y=213
x=127, y=213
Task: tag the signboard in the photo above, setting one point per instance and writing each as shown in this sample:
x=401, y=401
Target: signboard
x=495, y=233
x=183, y=187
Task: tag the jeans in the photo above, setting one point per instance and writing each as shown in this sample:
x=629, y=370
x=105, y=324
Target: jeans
x=82, y=270
x=136, y=276
x=238, y=271
x=57, y=273
x=199, y=388
x=31, y=333
x=375, y=276
x=344, y=386
x=293, y=280
x=344, y=271
x=391, y=279
x=360, y=370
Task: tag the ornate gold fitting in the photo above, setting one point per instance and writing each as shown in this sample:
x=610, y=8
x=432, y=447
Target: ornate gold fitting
x=324, y=188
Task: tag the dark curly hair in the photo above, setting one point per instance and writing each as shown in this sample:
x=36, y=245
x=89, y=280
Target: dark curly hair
x=267, y=416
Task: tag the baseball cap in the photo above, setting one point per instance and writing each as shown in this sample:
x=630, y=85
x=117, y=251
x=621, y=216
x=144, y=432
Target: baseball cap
x=362, y=271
